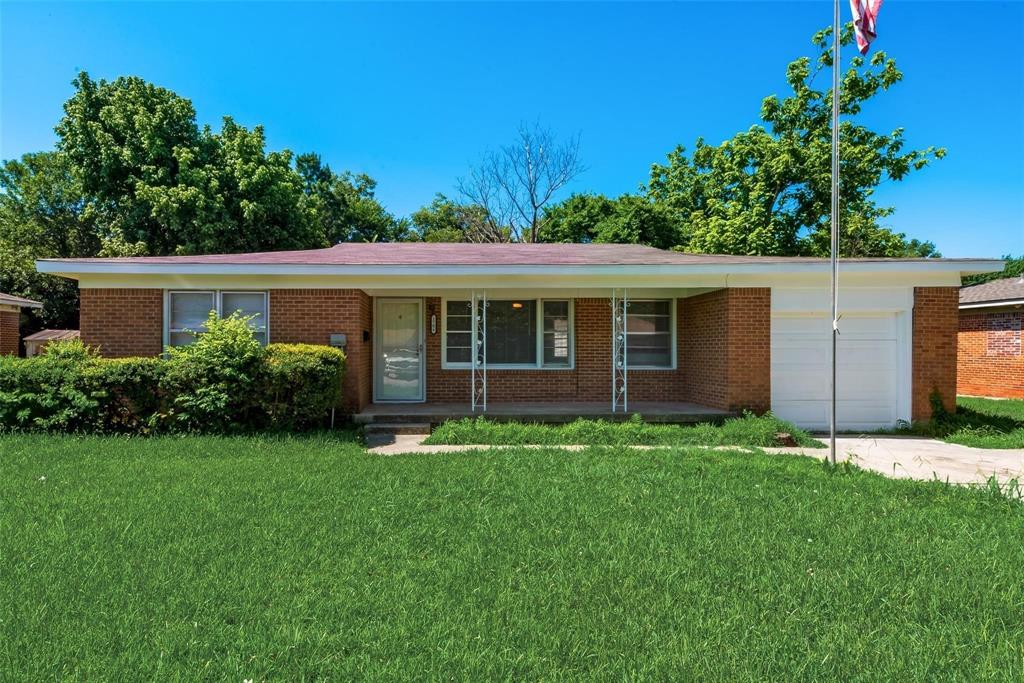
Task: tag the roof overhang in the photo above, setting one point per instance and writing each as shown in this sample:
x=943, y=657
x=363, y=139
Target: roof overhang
x=76, y=269
x=18, y=303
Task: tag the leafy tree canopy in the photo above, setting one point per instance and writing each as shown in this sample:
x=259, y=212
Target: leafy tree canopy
x=42, y=215
x=595, y=218
x=445, y=220
x=767, y=190
x=1014, y=268
x=133, y=174
x=344, y=206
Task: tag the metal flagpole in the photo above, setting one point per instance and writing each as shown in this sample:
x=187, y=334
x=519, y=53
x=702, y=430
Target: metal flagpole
x=834, y=255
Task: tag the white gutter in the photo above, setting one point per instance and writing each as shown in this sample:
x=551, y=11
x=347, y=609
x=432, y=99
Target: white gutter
x=994, y=304
x=71, y=268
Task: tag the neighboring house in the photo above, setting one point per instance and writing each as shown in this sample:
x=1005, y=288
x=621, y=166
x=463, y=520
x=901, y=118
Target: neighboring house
x=10, y=321
x=701, y=332
x=990, y=361
x=34, y=343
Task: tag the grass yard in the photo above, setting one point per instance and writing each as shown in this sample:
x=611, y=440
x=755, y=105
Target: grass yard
x=979, y=422
x=749, y=430
x=306, y=558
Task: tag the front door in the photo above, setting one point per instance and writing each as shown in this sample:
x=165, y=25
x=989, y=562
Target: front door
x=398, y=350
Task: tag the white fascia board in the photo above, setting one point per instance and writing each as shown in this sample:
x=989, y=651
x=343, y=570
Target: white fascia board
x=73, y=269
x=993, y=304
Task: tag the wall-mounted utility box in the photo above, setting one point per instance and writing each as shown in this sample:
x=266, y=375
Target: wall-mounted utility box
x=339, y=340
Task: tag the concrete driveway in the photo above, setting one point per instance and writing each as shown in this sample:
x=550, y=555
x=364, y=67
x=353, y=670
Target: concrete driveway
x=905, y=458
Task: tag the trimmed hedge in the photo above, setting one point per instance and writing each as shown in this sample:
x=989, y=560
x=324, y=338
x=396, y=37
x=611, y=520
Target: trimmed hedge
x=224, y=382
x=302, y=383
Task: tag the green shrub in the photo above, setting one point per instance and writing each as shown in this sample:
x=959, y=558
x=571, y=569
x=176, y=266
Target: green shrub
x=128, y=389
x=224, y=382
x=301, y=384
x=50, y=392
x=213, y=381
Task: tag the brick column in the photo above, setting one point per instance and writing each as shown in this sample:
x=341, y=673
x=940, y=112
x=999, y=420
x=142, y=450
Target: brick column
x=727, y=349
x=936, y=322
x=9, y=332
x=123, y=322
x=750, y=348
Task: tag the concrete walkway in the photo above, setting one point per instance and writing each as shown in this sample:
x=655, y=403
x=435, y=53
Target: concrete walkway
x=896, y=457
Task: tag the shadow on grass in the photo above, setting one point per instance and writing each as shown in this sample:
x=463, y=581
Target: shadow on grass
x=978, y=422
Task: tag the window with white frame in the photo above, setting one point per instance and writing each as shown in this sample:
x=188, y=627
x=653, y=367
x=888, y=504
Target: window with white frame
x=187, y=312
x=521, y=333
x=649, y=334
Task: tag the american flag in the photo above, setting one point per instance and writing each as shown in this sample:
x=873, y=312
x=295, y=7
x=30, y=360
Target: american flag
x=864, y=14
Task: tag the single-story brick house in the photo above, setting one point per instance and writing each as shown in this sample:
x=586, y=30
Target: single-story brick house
x=556, y=325
x=990, y=361
x=10, y=321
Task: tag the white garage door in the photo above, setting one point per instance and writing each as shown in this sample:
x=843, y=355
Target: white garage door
x=869, y=375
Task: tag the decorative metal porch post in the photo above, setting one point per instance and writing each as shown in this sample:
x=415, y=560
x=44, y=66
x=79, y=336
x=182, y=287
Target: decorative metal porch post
x=478, y=376
x=620, y=363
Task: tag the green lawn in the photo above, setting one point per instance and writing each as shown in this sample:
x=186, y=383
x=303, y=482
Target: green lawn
x=979, y=422
x=306, y=559
x=749, y=430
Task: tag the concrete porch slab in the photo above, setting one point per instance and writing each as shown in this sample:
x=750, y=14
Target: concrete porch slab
x=553, y=412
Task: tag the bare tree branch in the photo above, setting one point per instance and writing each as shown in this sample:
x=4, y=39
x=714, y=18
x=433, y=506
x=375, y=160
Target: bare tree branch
x=515, y=183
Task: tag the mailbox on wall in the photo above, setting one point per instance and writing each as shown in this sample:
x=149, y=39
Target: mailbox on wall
x=339, y=341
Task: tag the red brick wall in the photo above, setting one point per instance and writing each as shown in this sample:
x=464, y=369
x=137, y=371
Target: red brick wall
x=727, y=349
x=9, y=332
x=310, y=316
x=590, y=381
x=936, y=321
x=123, y=322
x=990, y=357
x=704, y=357
x=749, y=349
x=723, y=358
x=723, y=346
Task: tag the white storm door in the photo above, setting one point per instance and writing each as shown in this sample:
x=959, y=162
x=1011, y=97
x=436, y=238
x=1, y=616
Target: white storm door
x=398, y=351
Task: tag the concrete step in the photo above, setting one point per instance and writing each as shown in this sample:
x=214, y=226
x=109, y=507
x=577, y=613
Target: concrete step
x=422, y=428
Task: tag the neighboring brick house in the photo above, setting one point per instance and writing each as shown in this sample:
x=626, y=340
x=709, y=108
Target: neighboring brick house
x=570, y=328
x=10, y=322
x=990, y=360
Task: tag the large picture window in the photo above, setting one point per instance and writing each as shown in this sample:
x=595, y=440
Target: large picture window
x=187, y=311
x=520, y=333
x=649, y=334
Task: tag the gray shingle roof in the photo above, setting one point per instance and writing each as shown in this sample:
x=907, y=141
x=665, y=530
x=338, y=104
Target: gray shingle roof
x=1007, y=289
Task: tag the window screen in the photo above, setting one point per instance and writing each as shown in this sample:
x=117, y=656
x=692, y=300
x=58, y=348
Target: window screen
x=188, y=311
x=511, y=333
x=459, y=316
x=556, y=333
x=516, y=331
x=248, y=304
x=649, y=334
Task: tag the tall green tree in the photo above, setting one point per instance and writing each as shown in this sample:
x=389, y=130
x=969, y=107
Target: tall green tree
x=231, y=195
x=344, y=205
x=43, y=214
x=123, y=137
x=767, y=190
x=628, y=219
x=445, y=220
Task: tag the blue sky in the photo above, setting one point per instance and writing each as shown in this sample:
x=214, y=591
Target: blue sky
x=414, y=93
